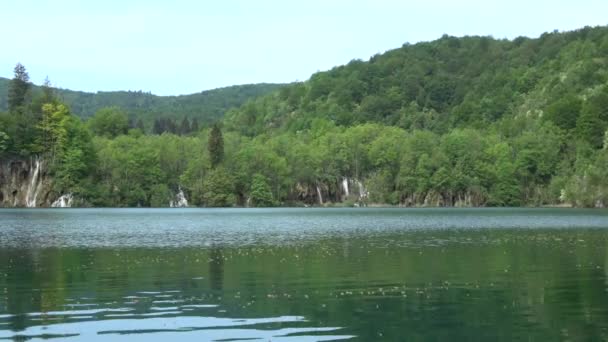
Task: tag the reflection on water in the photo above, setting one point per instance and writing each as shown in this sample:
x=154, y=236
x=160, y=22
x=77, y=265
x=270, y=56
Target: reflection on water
x=306, y=277
x=179, y=322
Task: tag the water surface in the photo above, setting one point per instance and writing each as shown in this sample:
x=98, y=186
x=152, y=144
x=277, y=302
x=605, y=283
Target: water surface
x=304, y=274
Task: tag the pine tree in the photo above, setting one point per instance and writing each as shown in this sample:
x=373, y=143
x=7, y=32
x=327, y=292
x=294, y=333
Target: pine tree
x=140, y=125
x=47, y=91
x=184, y=127
x=216, y=146
x=194, y=127
x=18, y=88
x=157, y=129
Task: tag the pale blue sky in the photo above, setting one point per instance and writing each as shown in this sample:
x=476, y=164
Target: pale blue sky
x=180, y=47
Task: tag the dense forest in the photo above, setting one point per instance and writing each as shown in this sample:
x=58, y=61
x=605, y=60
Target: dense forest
x=205, y=107
x=471, y=121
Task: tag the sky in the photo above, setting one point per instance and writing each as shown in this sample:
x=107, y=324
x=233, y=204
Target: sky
x=182, y=47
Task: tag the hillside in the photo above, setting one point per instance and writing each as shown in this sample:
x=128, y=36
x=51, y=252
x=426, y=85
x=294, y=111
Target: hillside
x=471, y=121
x=207, y=106
x=438, y=85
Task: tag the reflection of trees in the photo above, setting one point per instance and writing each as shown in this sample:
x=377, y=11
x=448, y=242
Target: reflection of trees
x=216, y=269
x=527, y=286
x=19, y=298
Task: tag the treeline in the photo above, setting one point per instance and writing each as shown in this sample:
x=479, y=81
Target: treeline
x=184, y=127
x=206, y=107
x=459, y=121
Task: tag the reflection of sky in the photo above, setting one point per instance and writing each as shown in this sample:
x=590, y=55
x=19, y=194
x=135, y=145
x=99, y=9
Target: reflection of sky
x=186, y=46
x=178, y=328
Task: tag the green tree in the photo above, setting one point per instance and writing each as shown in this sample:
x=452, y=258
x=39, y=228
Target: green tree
x=565, y=111
x=260, y=192
x=18, y=89
x=219, y=189
x=216, y=146
x=52, y=127
x=109, y=122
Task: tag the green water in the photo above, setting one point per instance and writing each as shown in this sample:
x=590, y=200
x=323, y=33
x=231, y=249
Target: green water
x=304, y=274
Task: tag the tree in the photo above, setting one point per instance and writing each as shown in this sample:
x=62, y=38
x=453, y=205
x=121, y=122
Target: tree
x=18, y=88
x=565, y=111
x=260, y=192
x=109, y=122
x=140, y=125
x=219, y=189
x=194, y=127
x=590, y=128
x=53, y=128
x=216, y=146
x=184, y=128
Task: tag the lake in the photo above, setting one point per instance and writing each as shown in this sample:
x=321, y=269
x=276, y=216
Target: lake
x=303, y=274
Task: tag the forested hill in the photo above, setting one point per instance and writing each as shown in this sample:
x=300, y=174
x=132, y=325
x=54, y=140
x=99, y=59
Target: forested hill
x=447, y=83
x=471, y=121
x=207, y=106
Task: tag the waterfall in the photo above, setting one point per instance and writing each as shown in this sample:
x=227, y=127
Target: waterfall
x=64, y=201
x=362, y=191
x=319, y=194
x=33, y=187
x=345, y=186
x=180, y=200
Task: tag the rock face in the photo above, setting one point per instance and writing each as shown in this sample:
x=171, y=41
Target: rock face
x=25, y=183
x=322, y=193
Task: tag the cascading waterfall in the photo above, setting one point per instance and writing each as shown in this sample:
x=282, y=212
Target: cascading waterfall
x=345, y=186
x=362, y=191
x=65, y=201
x=319, y=194
x=34, y=186
x=180, y=200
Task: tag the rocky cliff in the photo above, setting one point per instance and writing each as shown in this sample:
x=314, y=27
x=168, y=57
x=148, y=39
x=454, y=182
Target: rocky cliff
x=25, y=183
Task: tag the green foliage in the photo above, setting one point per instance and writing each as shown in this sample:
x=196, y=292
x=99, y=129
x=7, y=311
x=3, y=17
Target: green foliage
x=207, y=106
x=216, y=146
x=588, y=186
x=260, y=192
x=219, y=189
x=458, y=121
x=18, y=89
x=109, y=122
x=565, y=111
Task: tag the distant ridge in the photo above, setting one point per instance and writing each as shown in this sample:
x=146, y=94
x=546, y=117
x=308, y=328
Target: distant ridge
x=207, y=106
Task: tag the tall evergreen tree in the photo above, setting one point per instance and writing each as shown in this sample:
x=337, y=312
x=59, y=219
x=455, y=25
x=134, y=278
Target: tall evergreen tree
x=184, y=127
x=157, y=128
x=216, y=145
x=140, y=125
x=18, y=88
x=194, y=127
x=47, y=91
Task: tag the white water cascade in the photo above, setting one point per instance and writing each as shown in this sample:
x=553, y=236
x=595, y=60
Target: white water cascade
x=320, y=196
x=65, y=201
x=180, y=200
x=345, y=186
x=362, y=191
x=33, y=187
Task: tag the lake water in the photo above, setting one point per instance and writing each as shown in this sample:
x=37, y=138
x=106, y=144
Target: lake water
x=303, y=274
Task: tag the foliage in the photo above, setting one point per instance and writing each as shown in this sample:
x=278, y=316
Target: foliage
x=260, y=193
x=109, y=122
x=219, y=189
x=216, y=146
x=18, y=89
x=207, y=106
x=468, y=121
